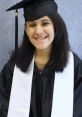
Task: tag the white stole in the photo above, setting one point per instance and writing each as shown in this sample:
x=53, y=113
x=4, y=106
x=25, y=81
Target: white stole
x=62, y=104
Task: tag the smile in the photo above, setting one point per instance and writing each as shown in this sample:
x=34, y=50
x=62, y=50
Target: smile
x=41, y=38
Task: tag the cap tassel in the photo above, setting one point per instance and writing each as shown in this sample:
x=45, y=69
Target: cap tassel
x=16, y=33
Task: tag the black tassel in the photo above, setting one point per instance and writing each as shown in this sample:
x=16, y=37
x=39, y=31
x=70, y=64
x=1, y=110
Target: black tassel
x=16, y=33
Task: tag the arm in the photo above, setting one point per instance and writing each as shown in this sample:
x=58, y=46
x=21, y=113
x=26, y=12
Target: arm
x=77, y=87
x=5, y=87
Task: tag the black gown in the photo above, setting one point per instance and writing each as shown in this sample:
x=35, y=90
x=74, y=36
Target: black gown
x=42, y=90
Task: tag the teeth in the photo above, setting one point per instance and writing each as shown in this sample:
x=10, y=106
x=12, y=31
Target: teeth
x=43, y=38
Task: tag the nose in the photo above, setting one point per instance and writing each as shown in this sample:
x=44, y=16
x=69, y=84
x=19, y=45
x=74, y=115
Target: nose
x=38, y=30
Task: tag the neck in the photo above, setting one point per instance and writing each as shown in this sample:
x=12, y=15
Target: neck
x=42, y=57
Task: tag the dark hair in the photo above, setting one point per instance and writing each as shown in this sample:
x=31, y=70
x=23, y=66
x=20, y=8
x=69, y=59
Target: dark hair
x=59, y=53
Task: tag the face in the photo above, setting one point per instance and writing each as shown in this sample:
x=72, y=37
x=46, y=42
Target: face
x=40, y=33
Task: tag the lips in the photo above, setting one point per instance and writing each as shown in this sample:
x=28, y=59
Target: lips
x=41, y=37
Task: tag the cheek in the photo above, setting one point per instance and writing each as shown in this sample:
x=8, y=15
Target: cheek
x=28, y=33
x=52, y=32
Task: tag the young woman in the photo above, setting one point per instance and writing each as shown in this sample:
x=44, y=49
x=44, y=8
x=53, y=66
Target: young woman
x=45, y=80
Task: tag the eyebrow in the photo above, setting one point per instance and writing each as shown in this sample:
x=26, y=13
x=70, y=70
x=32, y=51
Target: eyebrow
x=42, y=20
x=45, y=20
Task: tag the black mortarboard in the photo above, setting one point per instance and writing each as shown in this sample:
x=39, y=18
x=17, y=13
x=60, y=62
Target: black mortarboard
x=33, y=9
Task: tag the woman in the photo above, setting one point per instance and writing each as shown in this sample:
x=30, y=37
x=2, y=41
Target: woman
x=45, y=79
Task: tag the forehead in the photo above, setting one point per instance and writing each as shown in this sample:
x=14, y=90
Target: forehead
x=45, y=18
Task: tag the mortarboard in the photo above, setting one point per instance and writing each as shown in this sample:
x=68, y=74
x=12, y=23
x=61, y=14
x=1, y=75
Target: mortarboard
x=33, y=9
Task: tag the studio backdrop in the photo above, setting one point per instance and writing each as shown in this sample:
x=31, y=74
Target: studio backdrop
x=70, y=10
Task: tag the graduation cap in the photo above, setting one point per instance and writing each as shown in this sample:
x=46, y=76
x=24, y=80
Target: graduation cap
x=33, y=9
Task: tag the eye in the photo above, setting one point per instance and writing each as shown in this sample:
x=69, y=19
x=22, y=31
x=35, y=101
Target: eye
x=45, y=23
x=32, y=25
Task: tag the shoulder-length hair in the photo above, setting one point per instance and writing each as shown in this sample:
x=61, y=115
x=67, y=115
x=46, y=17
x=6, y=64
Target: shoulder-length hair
x=59, y=53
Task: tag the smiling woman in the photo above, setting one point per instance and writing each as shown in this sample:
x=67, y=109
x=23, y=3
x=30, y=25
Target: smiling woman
x=43, y=77
x=40, y=33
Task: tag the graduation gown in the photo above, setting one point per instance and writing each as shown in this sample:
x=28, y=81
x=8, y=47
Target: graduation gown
x=42, y=90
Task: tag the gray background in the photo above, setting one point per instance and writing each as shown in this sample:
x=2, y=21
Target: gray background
x=70, y=10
